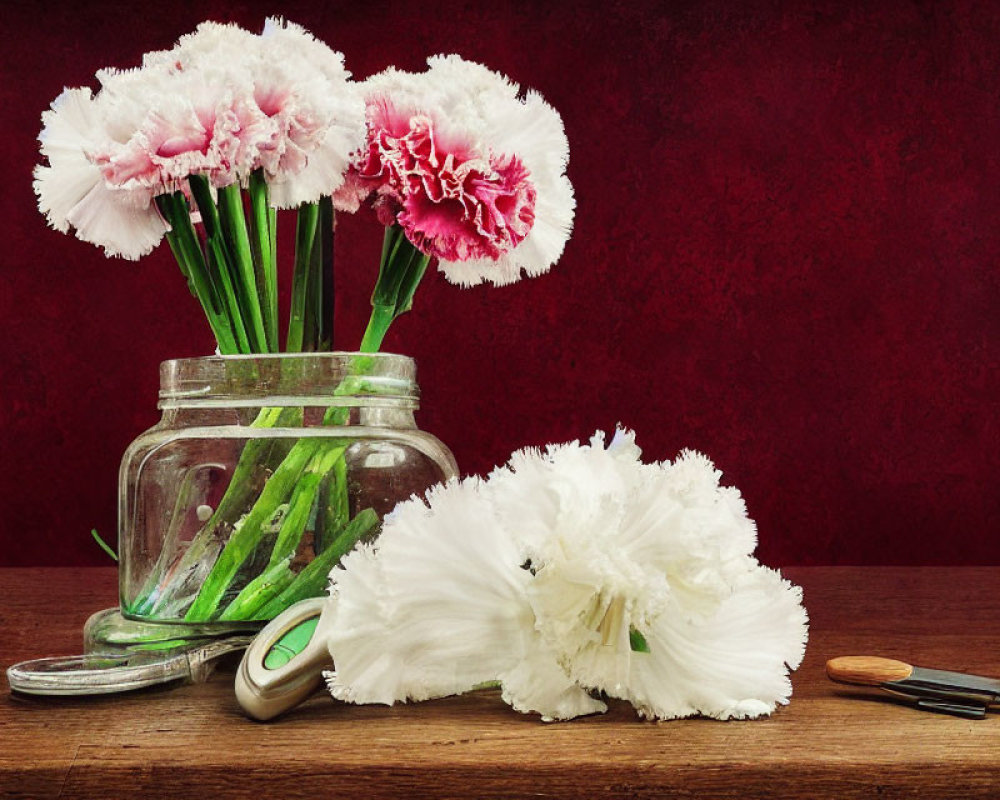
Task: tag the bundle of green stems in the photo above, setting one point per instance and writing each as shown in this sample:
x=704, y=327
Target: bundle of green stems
x=231, y=268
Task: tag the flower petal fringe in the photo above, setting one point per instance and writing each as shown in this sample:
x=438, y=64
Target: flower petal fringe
x=391, y=611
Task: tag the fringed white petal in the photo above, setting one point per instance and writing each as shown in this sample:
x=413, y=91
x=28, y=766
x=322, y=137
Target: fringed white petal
x=539, y=494
x=61, y=189
x=72, y=192
x=211, y=43
x=728, y=664
x=70, y=126
x=73, y=122
x=324, y=97
x=534, y=131
x=436, y=608
x=622, y=444
x=292, y=44
x=652, y=548
x=108, y=219
x=662, y=550
x=538, y=684
x=325, y=164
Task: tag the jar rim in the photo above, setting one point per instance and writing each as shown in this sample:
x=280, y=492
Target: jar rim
x=325, y=379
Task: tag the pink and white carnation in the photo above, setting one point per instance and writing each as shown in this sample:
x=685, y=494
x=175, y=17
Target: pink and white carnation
x=199, y=124
x=221, y=104
x=72, y=191
x=284, y=104
x=317, y=112
x=472, y=172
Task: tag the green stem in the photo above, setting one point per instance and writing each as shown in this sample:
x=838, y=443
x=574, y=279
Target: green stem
x=185, y=269
x=243, y=540
x=244, y=484
x=103, y=544
x=301, y=503
x=272, y=229
x=253, y=457
x=313, y=578
x=324, y=280
x=411, y=280
x=184, y=244
x=220, y=268
x=310, y=319
x=278, y=487
x=378, y=325
x=276, y=576
x=403, y=259
x=305, y=237
x=401, y=269
x=262, y=589
x=201, y=191
x=265, y=268
x=237, y=238
x=392, y=245
x=316, y=289
x=218, y=259
x=334, y=508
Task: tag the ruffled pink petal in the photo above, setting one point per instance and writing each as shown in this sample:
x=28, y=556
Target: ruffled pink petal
x=351, y=194
x=451, y=202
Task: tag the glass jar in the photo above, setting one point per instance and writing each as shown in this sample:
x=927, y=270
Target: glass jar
x=263, y=471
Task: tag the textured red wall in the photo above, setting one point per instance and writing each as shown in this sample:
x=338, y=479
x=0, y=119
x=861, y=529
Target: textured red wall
x=785, y=255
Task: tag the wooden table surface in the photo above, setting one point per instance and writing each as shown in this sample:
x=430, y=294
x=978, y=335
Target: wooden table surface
x=192, y=741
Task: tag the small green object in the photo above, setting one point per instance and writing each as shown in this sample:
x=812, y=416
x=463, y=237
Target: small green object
x=168, y=644
x=103, y=545
x=291, y=644
x=637, y=642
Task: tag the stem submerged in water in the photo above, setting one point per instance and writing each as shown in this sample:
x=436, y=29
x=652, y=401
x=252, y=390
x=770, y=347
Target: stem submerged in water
x=246, y=536
x=312, y=580
x=164, y=591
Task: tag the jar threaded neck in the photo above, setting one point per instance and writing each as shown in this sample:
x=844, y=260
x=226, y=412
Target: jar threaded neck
x=289, y=379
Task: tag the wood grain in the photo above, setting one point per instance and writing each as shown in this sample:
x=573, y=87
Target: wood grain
x=831, y=741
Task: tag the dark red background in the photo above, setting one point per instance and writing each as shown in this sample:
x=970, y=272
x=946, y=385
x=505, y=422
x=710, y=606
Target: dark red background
x=785, y=255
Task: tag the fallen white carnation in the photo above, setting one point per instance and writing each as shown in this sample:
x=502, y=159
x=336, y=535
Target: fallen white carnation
x=569, y=573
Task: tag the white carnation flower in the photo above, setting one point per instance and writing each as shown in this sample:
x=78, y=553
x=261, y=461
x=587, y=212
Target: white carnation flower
x=566, y=573
x=323, y=118
x=399, y=632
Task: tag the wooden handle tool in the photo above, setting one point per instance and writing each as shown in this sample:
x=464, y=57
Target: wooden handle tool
x=955, y=693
